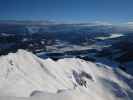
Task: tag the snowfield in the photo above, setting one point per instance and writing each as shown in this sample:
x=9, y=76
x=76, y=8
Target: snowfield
x=24, y=76
x=114, y=35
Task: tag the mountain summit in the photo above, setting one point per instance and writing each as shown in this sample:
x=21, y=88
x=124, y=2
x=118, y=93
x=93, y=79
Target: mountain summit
x=24, y=75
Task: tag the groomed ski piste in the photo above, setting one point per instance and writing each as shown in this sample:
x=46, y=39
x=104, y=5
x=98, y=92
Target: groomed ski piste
x=24, y=76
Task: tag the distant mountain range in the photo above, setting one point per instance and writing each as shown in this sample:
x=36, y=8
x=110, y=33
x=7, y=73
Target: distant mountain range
x=25, y=22
x=27, y=26
x=107, y=42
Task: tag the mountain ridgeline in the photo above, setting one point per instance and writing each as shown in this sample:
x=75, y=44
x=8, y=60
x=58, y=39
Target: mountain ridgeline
x=108, y=44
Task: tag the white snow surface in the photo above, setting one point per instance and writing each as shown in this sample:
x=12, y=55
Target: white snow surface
x=24, y=76
x=114, y=35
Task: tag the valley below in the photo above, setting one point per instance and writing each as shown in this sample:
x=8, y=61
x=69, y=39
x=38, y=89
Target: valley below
x=54, y=61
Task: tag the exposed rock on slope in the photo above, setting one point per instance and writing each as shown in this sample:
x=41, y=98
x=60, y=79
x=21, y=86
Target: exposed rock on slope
x=23, y=74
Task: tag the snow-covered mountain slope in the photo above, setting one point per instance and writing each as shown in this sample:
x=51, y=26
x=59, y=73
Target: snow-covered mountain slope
x=24, y=76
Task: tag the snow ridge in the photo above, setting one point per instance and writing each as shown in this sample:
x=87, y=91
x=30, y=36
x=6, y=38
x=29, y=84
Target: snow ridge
x=25, y=75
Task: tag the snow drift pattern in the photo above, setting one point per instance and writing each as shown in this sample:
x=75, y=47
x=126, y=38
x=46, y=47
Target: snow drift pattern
x=23, y=74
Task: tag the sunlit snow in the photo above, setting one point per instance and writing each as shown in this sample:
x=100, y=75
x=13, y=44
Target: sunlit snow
x=24, y=76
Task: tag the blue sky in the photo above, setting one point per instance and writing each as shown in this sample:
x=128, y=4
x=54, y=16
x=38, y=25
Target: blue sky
x=114, y=11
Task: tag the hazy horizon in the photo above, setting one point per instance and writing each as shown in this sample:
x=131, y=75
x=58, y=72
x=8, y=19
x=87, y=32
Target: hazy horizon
x=111, y=11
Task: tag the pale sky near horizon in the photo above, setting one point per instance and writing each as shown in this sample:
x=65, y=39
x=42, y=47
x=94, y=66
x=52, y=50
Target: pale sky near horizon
x=67, y=10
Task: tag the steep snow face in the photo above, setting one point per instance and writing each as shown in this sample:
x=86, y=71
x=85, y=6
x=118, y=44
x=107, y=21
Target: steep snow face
x=23, y=74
